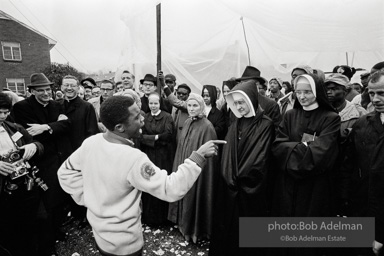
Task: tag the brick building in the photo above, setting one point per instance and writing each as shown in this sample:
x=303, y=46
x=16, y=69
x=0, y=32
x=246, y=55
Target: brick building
x=24, y=51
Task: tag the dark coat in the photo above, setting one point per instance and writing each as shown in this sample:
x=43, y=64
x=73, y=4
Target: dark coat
x=193, y=213
x=215, y=116
x=365, y=165
x=271, y=109
x=19, y=211
x=161, y=153
x=13, y=128
x=243, y=179
x=83, y=120
x=302, y=187
x=57, y=146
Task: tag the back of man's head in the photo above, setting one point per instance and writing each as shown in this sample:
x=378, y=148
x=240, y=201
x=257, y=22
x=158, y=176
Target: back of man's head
x=115, y=111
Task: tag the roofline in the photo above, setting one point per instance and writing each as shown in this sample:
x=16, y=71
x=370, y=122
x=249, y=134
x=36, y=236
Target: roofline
x=51, y=42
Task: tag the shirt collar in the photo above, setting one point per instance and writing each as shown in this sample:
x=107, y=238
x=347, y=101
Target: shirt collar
x=157, y=113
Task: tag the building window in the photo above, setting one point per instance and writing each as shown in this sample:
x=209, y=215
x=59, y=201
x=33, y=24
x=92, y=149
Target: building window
x=11, y=51
x=16, y=85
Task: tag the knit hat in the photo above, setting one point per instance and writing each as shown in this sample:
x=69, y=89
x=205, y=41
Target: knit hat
x=307, y=69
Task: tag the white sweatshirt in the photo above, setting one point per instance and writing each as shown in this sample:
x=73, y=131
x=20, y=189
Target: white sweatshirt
x=108, y=179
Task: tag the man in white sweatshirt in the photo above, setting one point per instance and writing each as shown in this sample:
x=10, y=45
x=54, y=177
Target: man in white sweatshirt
x=107, y=174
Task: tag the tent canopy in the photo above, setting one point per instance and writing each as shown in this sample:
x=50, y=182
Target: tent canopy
x=204, y=41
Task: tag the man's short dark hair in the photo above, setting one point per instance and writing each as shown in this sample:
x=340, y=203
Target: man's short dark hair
x=5, y=101
x=108, y=82
x=375, y=77
x=115, y=111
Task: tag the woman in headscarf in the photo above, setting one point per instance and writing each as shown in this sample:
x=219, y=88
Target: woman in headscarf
x=214, y=115
x=156, y=142
x=193, y=213
x=227, y=87
x=243, y=179
x=304, y=152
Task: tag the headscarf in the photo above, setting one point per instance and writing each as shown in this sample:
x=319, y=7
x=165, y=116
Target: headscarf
x=318, y=90
x=248, y=91
x=212, y=91
x=200, y=100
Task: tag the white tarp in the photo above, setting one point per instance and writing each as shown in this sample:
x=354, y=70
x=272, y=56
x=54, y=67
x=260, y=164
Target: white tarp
x=203, y=40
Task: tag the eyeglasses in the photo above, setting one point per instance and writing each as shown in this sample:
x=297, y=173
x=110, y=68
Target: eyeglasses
x=70, y=85
x=43, y=90
x=105, y=89
x=182, y=93
x=148, y=84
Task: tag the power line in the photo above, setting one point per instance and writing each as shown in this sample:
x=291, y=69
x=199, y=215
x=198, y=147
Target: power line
x=49, y=32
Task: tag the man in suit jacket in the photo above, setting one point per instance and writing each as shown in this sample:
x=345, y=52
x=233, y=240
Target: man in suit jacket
x=84, y=124
x=81, y=113
x=44, y=119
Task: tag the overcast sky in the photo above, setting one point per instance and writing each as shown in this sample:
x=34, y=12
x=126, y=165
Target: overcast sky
x=89, y=33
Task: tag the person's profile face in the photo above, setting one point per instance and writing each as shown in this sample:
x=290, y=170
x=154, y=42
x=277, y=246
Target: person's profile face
x=376, y=94
x=297, y=73
x=335, y=92
x=127, y=80
x=134, y=122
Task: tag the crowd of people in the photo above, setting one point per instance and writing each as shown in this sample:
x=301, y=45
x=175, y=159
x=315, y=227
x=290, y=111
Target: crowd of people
x=114, y=156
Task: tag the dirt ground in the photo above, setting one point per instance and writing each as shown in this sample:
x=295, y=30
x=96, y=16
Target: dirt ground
x=165, y=241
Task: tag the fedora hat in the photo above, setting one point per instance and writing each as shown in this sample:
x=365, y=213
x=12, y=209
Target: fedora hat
x=150, y=78
x=251, y=73
x=39, y=79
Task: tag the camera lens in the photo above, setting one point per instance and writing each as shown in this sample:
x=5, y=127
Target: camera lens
x=14, y=156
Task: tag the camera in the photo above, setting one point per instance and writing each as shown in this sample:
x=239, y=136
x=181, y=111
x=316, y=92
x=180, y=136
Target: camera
x=16, y=159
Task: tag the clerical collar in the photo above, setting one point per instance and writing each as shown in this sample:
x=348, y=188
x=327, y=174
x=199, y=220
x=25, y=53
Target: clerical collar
x=43, y=104
x=382, y=118
x=69, y=100
x=315, y=105
x=157, y=113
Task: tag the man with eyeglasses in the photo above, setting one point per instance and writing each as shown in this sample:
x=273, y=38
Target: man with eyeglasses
x=149, y=83
x=83, y=125
x=44, y=119
x=106, y=90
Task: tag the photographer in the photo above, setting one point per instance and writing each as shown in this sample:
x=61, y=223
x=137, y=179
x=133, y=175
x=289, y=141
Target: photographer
x=18, y=203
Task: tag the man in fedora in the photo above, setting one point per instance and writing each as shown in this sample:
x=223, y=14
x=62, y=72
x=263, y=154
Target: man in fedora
x=44, y=119
x=270, y=107
x=149, y=83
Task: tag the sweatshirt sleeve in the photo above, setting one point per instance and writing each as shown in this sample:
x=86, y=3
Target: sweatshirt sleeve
x=71, y=177
x=147, y=177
